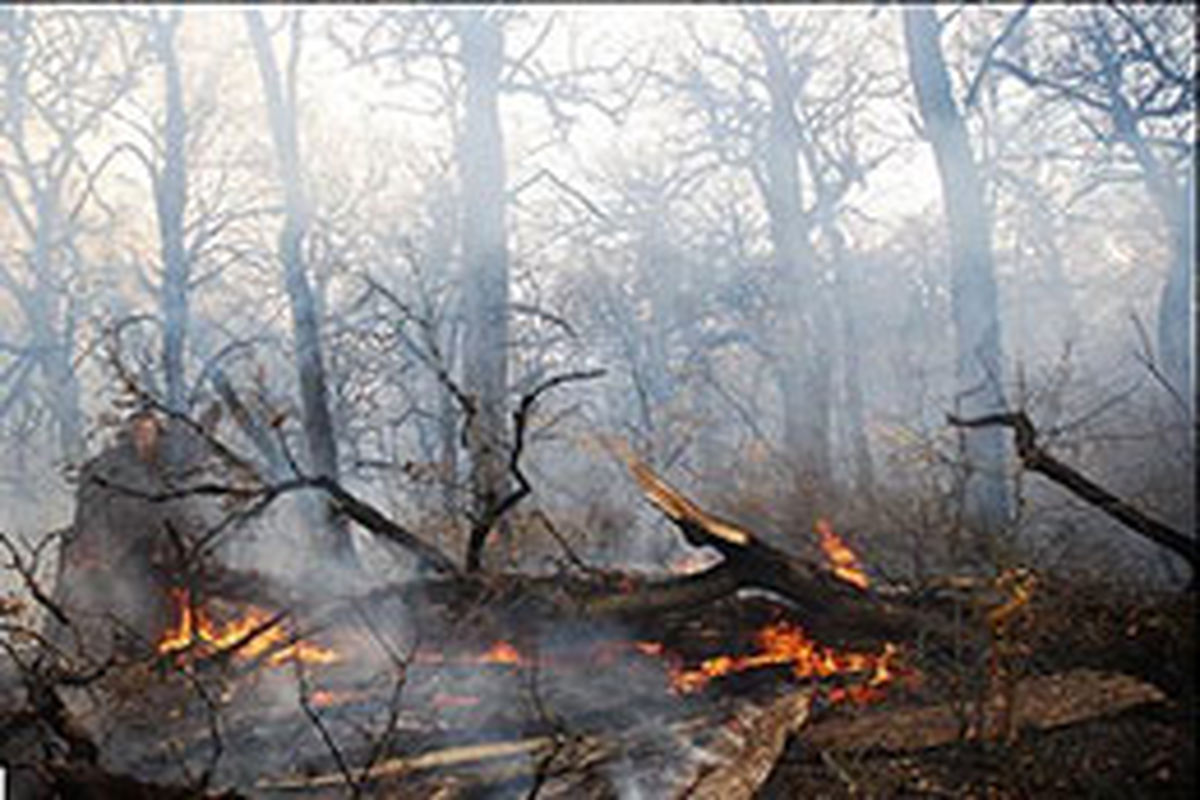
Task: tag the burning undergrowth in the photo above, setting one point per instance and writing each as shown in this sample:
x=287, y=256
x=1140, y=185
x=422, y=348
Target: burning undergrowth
x=360, y=694
x=346, y=679
x=247, y=691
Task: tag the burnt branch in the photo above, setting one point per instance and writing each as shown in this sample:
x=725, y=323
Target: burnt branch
x=833, y=610
x=27, y=570
x=323, y=731
x=357, y=509
x=482, y=527
x=1035, y=458
x=1009, y=27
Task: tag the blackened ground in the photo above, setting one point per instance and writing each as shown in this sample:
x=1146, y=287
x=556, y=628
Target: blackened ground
x=1144, y=752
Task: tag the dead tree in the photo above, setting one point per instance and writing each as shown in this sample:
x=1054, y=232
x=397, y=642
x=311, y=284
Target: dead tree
x=280, y=93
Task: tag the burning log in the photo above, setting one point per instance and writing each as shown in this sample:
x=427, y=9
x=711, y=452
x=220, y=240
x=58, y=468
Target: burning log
x=836, y=604
x=672, y=644
x=257, y=633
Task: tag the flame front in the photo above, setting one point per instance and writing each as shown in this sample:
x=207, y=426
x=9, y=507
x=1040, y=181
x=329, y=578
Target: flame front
x=784, y=644
x=251, y=635
x=845, y=562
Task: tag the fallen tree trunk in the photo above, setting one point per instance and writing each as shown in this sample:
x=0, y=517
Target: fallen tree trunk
x=836, y=612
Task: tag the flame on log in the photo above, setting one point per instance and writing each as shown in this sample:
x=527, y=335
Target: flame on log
x=255, y=633
x=786, y=644
x=845, y=563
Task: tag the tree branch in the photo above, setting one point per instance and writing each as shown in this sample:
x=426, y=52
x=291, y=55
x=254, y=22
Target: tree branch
x=491, y=516
x=1036, y=459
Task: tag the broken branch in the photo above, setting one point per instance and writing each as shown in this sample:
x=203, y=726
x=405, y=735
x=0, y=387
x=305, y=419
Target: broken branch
x=1036, y=459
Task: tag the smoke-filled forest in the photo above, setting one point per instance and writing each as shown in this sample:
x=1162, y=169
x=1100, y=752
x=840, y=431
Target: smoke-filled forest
x=496, y=401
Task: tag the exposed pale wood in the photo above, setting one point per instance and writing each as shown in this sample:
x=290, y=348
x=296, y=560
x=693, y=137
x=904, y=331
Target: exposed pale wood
x=1041, y=702
x=835, y=611
x=757, y=744
x=719, y=754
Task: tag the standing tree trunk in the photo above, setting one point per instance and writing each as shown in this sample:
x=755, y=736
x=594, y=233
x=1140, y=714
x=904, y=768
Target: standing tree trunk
x=979, y=367
x=481, y=167
x=54, y=342
x=854, y=414
x=38, y=214
x=170, y=197
x=1176, y=339
x=804, y=324
x=318, y=422
x=1177, y=206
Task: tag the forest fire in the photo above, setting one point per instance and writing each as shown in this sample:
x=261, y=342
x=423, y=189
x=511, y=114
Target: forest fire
x=256, y=633
x=845, y=563
x=786, y=644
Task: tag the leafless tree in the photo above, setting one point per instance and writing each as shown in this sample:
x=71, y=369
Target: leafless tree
x=467, y=62
x=980, y=365
x=279, y=91
x=1129, y=73
x=58, y=89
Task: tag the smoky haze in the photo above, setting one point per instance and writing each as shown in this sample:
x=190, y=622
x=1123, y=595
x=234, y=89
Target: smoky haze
x=769, y=248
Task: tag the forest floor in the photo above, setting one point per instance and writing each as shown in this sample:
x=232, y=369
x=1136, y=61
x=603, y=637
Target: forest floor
x=1145, y=751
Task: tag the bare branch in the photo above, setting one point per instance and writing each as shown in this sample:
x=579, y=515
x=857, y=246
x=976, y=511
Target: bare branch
x=1036, y=459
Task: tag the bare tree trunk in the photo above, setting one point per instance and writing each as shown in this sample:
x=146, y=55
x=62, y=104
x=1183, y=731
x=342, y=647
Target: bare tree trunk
x=654, y=284
x=485, y=255
x=973, y=293
x=38, y=213
x=318, y=422
x=1176, y=336
x=170, y=197
x=1177, y=207
x=53, y=342
x=852, y=392
x=805, y=382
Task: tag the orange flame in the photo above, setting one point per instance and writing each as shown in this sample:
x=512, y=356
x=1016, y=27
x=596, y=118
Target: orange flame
x=251, y=635
x=501, y=652
x=845, y=562
x=783, y=644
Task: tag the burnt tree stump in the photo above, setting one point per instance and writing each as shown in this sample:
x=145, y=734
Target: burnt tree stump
x=127, y=548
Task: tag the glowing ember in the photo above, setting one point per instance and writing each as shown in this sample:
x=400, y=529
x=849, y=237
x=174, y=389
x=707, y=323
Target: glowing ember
x=254, y=634
x=844, y=561
x=306, y=652
x=649, y=648
x=784, y=644
x=502, y=652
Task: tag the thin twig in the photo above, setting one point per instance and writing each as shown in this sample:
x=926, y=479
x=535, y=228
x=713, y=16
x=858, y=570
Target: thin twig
x=323, y=732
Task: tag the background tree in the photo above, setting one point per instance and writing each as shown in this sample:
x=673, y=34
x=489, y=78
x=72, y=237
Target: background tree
x=1129, y=72
x=280, y=93
x=57, y=89
x=980, y=365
